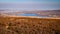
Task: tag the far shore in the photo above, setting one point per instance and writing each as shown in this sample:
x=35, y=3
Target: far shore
x=31, y=17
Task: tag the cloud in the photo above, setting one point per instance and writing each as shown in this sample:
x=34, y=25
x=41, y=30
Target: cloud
x=30, y=4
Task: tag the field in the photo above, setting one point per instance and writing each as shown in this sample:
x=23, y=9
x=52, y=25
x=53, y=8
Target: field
x=26, y=25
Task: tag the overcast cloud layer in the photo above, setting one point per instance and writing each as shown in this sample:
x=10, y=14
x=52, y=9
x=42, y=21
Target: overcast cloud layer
x=30, y=4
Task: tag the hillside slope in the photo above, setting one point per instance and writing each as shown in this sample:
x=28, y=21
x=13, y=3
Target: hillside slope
x=26, y=25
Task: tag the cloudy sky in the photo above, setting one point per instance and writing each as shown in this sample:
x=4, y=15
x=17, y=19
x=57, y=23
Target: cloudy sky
x=30, y=4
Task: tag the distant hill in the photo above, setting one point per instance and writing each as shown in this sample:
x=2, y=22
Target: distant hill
x=48, y=13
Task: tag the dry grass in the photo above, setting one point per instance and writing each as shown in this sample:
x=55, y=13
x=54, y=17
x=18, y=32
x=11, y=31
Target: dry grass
x=26, y=25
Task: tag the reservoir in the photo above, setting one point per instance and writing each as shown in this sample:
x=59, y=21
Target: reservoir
x=25, y=14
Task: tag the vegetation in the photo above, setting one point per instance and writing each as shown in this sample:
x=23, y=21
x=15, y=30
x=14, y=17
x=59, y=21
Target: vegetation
x=25, y=25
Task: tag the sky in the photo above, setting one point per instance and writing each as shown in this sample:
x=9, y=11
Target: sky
x=30, y=4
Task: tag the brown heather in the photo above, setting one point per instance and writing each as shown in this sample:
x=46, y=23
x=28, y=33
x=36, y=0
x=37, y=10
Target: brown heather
x=25, y=25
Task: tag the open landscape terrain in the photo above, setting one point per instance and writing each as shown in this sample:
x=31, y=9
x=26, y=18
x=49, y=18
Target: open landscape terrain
x=27, y=25
x=39, y=13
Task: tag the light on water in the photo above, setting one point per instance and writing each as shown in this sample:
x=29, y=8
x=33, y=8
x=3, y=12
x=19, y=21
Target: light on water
x=27, y=15
x=40, y=16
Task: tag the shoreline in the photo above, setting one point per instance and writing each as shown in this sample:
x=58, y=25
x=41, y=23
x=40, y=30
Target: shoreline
x=31, y=17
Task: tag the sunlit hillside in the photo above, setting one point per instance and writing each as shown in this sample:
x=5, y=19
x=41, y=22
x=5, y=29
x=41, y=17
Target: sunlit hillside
x=10, y=23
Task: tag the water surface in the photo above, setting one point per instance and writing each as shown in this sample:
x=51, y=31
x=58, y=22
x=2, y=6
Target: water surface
x=41, y=16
